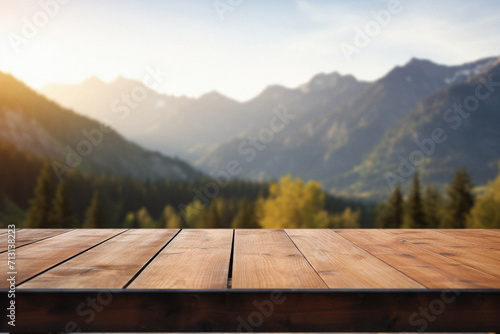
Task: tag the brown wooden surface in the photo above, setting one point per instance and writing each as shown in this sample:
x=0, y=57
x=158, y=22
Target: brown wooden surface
x=195, y=259
x=268, y=259
x=343, y=265
x=110, y=265
x=482, y=237
x=37, y=257
x=28, y=236
x=430, y=269
x=294, y=280
x=261, y=259
x=474, y=254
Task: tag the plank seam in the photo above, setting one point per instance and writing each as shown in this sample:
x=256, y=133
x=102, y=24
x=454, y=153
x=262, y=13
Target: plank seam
x=307, y=260
x=150, y=260
x=29, y=243
x=231, y=259
x=70, y=258
x=390, y=265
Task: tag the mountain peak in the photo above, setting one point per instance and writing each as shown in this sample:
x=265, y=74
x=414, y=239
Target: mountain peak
x=415, y=60
x=213, y=95
x=323, y=81
x=93, y=80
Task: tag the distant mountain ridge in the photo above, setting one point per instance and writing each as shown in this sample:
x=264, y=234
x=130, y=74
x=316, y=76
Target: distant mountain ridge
x=35, y=125
x=339, y=126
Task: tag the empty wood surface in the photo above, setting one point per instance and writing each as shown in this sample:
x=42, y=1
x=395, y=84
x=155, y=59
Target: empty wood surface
x=37, y=257
x=470, y=253
x=195, y=259
x=427, y=267
x=490, y=238
x=343, y=265
x=260, y=259
x=110, y=265
x=27, y=236
x=268, y=259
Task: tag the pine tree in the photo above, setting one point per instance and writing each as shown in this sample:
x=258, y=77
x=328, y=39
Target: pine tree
x=486, y=210
x=39, y=212
x=432, y=206
x=391, y=215
x=461, y=200
x=415, y=207
x=211, y=217
x=62, y=214
x=95, y=216
x=144, y=218
x=170, y=218
x=245, y=218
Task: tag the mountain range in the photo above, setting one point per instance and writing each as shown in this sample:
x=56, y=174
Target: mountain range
x=34, y=125
x=355, y=137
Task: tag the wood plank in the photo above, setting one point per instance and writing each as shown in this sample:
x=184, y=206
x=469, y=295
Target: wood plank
x=478, y=256
x=28, y=236
x=194, y=259
x=482, y=237
x=343, y=265
x=110, y=265
x=37, y=257
x=255, y=311
x=268, y=259
x=426, y=267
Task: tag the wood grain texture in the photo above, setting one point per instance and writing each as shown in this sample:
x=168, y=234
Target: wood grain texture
x=490, y=238
x=426, y=267
x=479, y=256
x=27, y=236
x=37, y=257
x=343, y=265
x=195, y=259
x=268, y=259
x=110, y=265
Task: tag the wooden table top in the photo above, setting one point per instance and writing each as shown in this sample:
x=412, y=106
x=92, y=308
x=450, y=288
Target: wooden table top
x=224, y=280
x=254, y=259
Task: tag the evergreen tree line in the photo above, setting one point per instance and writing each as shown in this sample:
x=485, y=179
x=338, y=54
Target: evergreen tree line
x=428, y=208
x=31, y=196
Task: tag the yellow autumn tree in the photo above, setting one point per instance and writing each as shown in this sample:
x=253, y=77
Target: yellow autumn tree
x=347, y=219
x=292, y=204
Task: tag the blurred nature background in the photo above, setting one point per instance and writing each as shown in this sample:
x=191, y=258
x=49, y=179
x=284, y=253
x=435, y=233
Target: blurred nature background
x=250, y=114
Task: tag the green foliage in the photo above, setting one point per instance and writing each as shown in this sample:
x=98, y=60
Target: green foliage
x=416, y=215
x=62, y=214
x=192, y=212
x=348, y=219
x=432, y=206
x=211, y=217
x=95, y=216
x=39, y=212
x=12, y=214
x=391, y=213
x=245, y=218
x=144, y=218
x=170, y=218
x=461, y=200
x=486, y=210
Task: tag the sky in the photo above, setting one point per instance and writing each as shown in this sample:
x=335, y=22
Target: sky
x=237, y=47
